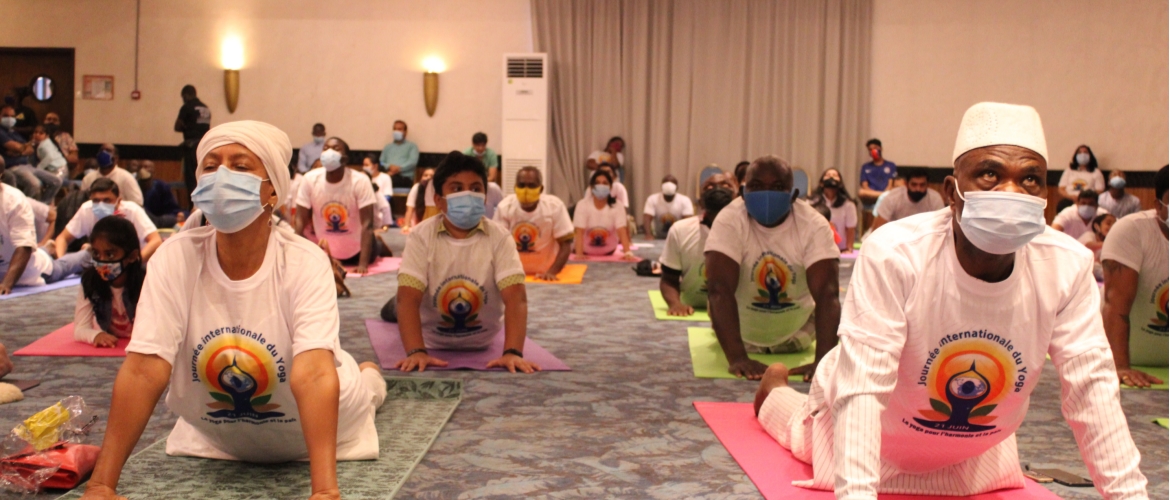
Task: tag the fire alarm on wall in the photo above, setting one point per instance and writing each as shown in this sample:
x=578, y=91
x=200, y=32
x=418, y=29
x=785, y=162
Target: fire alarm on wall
x=136, y=95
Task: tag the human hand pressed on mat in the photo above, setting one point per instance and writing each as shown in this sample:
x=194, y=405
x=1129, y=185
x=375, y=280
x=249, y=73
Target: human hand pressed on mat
x=333, y=494
x=512, y=362
x=547, y=277
x=747, y=368
x=100, y=492
x=680, y=310
x=806, y=370
x=104, y=339
x=1135, y=378
x=420, y=360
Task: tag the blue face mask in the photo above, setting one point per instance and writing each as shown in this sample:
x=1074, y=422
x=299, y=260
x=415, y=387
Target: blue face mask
x=399, y=135
x=1000, y=222
x=767, y=207
x=1117, y=183
x=465, y=209
x=105, y=159
x=108, y=271
x=318, y=140
x=601, y=191
x=229, y=200
x=102, y=210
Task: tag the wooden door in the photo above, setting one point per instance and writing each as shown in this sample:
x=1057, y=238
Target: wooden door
x=20, y=66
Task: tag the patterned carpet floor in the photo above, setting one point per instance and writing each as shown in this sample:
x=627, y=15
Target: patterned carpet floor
x=620, y=424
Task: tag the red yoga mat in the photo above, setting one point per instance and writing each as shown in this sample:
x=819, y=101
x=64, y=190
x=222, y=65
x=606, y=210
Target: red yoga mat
x=61, y=343
x=773, y=468
x=382, y=265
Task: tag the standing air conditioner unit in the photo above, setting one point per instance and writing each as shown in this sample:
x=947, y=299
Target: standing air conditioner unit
x=526, y=120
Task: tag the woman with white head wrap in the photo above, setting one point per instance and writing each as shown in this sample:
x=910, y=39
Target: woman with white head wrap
x=241, y=321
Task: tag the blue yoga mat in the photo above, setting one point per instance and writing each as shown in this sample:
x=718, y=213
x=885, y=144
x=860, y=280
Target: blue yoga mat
x=22, y=291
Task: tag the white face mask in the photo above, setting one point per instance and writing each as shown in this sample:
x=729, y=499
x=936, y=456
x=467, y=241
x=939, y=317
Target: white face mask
x=1082, y=159
x=1000, y=222
x=1086, y=211
x=669, y=188
x=331, y=160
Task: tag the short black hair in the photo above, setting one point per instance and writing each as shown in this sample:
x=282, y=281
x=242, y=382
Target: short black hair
x=1099, y=219
x=1161, y=179
x=530, y=168
x=479, y=138
x=405, y=127
x=914, y=173
x=102, y=185
x=741, y=170
x=454, y=163
x=316, y=125
x=187, y=90
x=873, y=142
x=1088, y=194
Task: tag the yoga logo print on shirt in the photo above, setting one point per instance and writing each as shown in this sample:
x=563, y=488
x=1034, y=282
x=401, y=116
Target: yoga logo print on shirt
x=596, y=236
x=459, y=300
x=772, y=276
x=1158, y=324
x=966, y=378
x=525, y=234
x=336, y=217
x=241, y=371
x=667, y=220
x=1079, y=185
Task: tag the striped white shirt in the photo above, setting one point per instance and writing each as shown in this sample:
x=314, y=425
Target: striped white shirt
x=946, y=363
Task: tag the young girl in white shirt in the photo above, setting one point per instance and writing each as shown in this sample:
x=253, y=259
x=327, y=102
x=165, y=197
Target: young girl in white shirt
x=600, y=221
x=108, y=299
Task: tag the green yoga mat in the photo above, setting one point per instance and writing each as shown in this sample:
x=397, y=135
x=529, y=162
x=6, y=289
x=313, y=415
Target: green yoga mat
x=710, y=362
x=1157, y=371
x=660, y=310
x=416, y=409
x=1164, y=422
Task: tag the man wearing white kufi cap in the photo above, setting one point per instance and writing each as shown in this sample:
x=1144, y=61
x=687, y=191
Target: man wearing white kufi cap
x=239, y=318
x=943, y=335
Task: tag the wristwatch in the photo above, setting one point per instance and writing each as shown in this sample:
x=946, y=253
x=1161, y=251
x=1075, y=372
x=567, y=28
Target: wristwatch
x=514, y=351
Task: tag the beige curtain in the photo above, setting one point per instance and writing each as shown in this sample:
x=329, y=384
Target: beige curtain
x=693, y=82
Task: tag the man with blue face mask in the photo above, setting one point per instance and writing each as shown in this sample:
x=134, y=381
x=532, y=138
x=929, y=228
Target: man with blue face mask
x=105, y=199
x=1116, y=200
x=1077, y=219
x=772, y=269
x=311, y=151
x=944, y=332
x=461, y=283
x=107, y=160
x=400, y=157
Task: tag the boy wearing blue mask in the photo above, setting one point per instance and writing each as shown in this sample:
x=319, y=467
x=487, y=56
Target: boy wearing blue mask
x=943, y=335
x=105, y=199
x=328, y=200
x=772, y=269
x=461, y=280
x=311, y=151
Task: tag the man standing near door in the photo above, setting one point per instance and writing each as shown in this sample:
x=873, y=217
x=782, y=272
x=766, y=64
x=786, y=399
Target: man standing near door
x=194, y=120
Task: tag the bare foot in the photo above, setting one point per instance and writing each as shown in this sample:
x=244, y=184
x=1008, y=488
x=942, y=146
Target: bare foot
x=775, y=376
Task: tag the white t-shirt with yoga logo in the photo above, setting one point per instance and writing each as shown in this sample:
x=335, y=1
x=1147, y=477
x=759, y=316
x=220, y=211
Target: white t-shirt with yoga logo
x=684, y=253
x=666, y=213
x=969, y=351
x=1075, y=181
x=232, y=343
x=536, y=232
x=461, y=307
x=773, y=297
x=600, y=225
x=1136, y=242
x=83, y=221
x=337, y=209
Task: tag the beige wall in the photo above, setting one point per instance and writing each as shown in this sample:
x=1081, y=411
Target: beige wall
x=1095, y=69
x=354, y=65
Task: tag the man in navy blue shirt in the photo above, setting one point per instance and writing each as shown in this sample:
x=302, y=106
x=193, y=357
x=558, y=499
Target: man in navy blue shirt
x=876, y=176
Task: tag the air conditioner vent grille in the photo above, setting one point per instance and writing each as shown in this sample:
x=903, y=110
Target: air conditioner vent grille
x=526, y=68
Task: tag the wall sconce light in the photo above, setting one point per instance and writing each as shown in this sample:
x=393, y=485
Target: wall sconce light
x=433, y=66
x=232, y=54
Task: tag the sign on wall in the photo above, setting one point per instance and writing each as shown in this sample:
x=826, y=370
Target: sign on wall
x=99, y=87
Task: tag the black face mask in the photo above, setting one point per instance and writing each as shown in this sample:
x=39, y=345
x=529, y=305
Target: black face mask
x=51, y=129
x=831, y=183
x=916, y=196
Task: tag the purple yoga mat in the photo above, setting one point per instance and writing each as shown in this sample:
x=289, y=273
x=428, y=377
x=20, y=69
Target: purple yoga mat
x=387, y=345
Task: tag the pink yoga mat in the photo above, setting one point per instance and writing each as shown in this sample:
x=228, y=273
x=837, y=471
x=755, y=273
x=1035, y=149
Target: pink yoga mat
x=61, y=343
x=387, y=345
x=382, y=265
x=773, y=468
